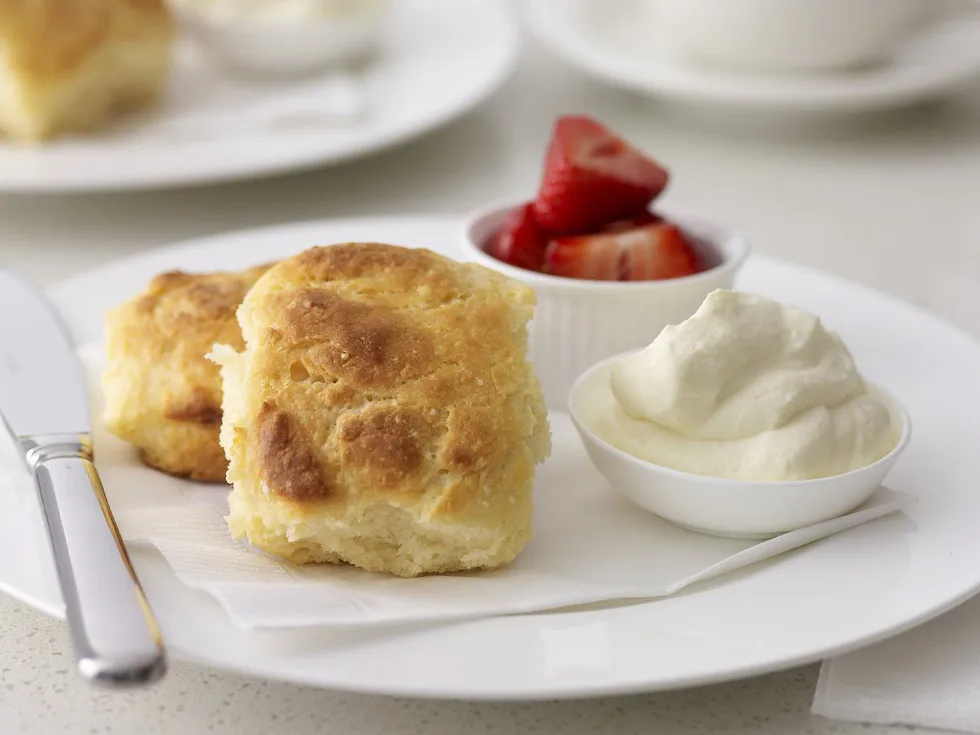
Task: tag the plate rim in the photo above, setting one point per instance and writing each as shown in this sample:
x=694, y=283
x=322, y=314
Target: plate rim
x=563, y=690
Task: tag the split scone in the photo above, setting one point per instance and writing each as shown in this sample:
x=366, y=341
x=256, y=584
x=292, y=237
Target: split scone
x=162, y=394
x=383, y=412
x=70, y=65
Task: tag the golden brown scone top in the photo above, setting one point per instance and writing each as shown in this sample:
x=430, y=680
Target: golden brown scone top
x=196, y=307
x=393, y=371
x=50, y=37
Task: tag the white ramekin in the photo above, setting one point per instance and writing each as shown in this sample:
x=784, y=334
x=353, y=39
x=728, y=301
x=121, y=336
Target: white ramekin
x=721, y=506
x=577, y=323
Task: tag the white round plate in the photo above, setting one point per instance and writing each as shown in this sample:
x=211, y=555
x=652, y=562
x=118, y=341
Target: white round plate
x=617, y=42
x=438, y=60
x=835, y=595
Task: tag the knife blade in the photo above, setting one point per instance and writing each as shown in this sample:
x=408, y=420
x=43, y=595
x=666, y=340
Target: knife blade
x=44, y=404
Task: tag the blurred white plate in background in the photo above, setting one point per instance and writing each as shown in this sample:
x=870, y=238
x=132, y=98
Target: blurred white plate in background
x=439, y=59
x=616, y=41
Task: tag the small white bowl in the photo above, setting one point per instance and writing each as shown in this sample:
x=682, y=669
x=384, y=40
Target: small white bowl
x=579, y=322
x=283, y=49
x=721, y=506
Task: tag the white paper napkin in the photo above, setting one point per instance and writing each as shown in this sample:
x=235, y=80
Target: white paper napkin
x=591, y=545
x=204, y=101
x=929, y=677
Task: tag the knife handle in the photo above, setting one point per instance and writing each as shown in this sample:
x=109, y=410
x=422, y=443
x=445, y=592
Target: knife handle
x=113, y=631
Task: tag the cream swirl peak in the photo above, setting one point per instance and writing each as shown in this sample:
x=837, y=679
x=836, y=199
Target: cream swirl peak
x=748, y=388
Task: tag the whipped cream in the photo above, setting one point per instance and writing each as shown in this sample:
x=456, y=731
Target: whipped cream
x=284, y=11
x=747, y=388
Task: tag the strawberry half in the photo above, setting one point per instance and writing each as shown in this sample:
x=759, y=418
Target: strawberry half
x=592, y=257
x=593, y=177
x=520, y=242
x=646, y=253
x=659, y=251
x=640, y=220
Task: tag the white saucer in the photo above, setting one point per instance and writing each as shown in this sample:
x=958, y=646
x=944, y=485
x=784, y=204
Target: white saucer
x=438, y=59
x=616, y=42
x=835, y=595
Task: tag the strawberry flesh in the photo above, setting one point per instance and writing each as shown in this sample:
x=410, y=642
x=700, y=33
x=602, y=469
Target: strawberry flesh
x=648, y=252
x=659, y=251
x=640, y=220
x=592, y=257
x=520, y=242
x=592, y=177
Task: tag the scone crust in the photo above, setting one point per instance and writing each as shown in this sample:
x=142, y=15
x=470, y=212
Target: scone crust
x=74, y=63
x=385, y=389
x=162, y=393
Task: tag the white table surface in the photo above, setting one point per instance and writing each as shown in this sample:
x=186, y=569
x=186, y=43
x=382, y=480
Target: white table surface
x=892, y=202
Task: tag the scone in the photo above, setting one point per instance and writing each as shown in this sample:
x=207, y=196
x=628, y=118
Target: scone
x=383, y=413
x=161, y=392
x=70, y=65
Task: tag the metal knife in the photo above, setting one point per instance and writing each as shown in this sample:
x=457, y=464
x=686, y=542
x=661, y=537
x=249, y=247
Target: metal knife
x=44, y=403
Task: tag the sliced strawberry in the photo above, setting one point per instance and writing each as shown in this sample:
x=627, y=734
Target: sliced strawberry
x=659, y=251
x=593, y=177
x=649, y=252
x=520, y=242
x=640, y=220
x=595, y=257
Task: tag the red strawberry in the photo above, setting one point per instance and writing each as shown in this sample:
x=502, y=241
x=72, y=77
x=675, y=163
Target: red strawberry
x=659, y=251
x=595, y=257
x=640, y=220
x=520, y=242
x=645, y=253
x=593, y=177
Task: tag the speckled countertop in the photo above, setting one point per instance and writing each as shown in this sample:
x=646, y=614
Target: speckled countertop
x=871, y=170
x=40, y=694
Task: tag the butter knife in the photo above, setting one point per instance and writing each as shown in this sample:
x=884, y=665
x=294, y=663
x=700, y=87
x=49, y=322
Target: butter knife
x=44, y=404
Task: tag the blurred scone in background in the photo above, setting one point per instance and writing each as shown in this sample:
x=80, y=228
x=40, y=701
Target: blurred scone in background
x=72, y=65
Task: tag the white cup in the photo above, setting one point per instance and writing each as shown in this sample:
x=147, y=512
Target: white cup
x=788, y=35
